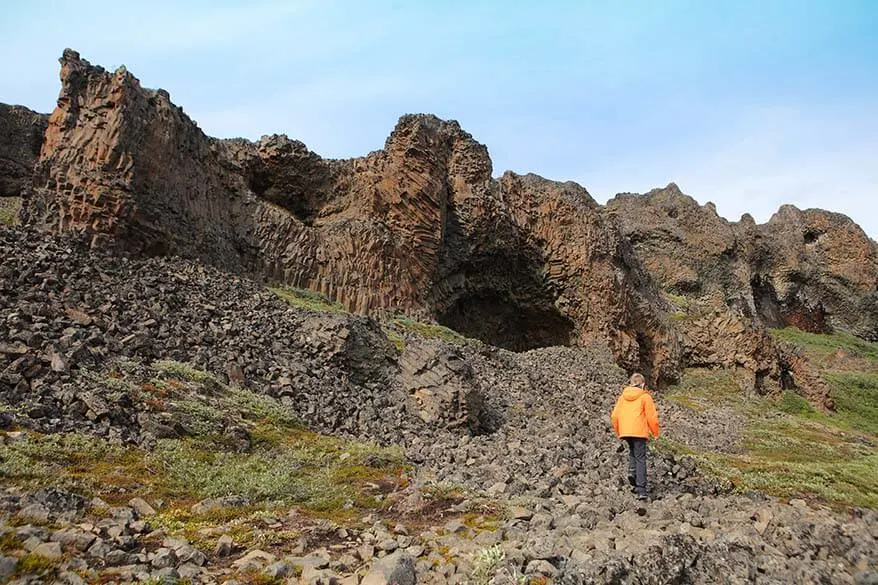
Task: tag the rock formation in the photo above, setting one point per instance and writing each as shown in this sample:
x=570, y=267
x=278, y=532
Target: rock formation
x=421, y=227
x=812, y=269
x=21, y=135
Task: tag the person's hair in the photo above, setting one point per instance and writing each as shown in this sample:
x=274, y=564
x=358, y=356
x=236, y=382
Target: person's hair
x=638, y=380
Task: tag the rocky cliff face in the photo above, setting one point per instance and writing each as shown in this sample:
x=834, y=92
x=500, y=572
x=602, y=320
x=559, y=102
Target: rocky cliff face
x=21, y=135
x=728, y=281
x=813, y=269
x=419, y=226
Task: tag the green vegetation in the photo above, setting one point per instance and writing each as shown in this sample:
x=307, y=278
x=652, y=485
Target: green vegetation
x=9, y=207
x=31, y=564
x=789, y=447
x=9, y=541
x=850, y=367
x=395, y=328
x=856, y=399
x=430, y=330
x=270, y=457
x=306, y=299
x=315, y=472
x=684, y=308
x=818, y=345
x=486, y=561
x=395, y=338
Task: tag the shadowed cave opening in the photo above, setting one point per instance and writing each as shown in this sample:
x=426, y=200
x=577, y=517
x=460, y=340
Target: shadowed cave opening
x=791, y=312
x=498, y=320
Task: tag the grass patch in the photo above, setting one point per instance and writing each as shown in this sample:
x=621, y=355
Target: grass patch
x=306, y=299
x=9, y=541
x=701, y=389
x=820, y=345
x=187, y=372
x=850, y=367
x=31, y=564
x=9, y=207
x=791, y=449
x=856, y=399
x=303, y=468
x=430, y=330
x=395, y=338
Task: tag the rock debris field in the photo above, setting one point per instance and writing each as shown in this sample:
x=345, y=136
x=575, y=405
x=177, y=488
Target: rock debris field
x=511, y=471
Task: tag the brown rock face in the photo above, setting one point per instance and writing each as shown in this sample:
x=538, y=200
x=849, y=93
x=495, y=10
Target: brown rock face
x=813, y=269
x=127, y=167
x=21, y=135
x=419, y=227
x=728, y=281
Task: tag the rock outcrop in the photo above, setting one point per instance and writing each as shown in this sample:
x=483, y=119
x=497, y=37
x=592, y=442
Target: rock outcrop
x=419, y=227
x=21, y=136
x=813, y=269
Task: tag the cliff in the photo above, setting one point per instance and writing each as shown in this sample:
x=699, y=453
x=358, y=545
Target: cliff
x=421, y=227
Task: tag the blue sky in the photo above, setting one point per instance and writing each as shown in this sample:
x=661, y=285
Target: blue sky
x=749, y=104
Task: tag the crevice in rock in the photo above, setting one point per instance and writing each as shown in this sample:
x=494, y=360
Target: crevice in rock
x=765, y=299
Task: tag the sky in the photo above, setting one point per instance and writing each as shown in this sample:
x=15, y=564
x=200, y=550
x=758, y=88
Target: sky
x=747, y=104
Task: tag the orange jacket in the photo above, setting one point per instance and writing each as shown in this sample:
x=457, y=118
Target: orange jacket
x=634, y=414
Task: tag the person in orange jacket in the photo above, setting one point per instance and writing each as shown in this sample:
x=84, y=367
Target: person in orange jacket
x=635, y=419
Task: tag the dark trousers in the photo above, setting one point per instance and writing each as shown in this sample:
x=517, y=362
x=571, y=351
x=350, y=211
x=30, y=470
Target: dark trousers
x=637, y=463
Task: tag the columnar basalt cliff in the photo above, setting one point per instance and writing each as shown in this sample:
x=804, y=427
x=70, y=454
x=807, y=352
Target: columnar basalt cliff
x=419, y=227
x=422, y=228
x=21, y=135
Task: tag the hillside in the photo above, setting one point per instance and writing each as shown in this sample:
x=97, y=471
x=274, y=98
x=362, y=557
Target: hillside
x=193, y=390
x=421, y=227
x=240, y=362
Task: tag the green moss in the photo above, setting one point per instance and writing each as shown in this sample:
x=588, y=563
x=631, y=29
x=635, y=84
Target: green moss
x=9, y=207
x=790, y=449
x=396, y=339
x=32, y=564
x=256, y=577
x=819, y=345
x=306, y=299
x=430, y=330
x=9, y=542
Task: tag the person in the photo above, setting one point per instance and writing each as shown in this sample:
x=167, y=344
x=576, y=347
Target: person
x=634, y=420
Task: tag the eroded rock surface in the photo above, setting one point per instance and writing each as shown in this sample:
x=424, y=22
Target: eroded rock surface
x=544, y=473
x=730, y=281
x=813, y=269
x=419, y=226
x=21, y=135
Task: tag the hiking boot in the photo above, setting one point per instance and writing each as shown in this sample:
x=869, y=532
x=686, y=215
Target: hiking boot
x=632, y=481
x=641, y=497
